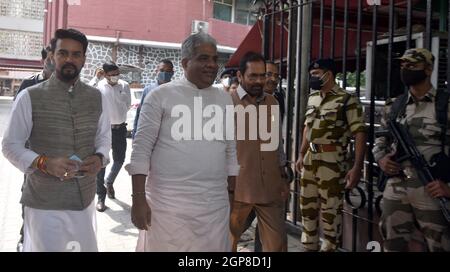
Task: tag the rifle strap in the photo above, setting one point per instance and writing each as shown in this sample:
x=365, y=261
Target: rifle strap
x=441, y=108
x=398, y=107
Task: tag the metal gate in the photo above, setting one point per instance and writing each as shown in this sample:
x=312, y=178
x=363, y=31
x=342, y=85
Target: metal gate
x=364, y=37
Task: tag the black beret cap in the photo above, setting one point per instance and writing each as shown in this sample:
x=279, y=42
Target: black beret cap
x=229, y=71
x=324, y=64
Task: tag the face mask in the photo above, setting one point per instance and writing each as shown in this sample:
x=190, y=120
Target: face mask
x=49, y=66
x=412, y=77
x=165, y=76
x=114, y=79
x=226, y=82
x=316, y=83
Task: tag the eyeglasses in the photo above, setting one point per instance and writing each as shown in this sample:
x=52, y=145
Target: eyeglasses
x=275, y=75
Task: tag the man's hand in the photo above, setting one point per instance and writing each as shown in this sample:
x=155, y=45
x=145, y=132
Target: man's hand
x=285, y=191
x=299, y=163
x=284, y=175
x=438, y=188
x=140, y=212
x=62, y=168
x=352, y=178
x=91, y=165
x=389, y=167
x=100, y=73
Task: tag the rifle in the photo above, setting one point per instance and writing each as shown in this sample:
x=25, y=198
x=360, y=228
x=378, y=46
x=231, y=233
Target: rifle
x=408, y=151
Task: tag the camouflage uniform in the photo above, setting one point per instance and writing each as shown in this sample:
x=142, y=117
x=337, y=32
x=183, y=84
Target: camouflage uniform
x=322, y=183
x=405, y=198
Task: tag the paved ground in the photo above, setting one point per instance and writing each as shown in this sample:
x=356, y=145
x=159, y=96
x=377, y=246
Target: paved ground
x=115, y=230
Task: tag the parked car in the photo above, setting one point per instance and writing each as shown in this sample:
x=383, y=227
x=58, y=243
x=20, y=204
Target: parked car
x=136, y=95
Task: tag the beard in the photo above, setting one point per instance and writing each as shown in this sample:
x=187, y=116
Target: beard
x=254, y=89
x=69, y=72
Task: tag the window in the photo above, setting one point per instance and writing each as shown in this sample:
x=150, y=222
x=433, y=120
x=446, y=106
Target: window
x=223, y=10
x=236, y=11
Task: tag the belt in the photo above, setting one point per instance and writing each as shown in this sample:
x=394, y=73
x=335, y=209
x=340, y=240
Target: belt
x=118, y=126
x=319, y=148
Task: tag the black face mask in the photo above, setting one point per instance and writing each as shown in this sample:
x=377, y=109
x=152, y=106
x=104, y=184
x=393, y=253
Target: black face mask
x=316, y=83
x=412, y=77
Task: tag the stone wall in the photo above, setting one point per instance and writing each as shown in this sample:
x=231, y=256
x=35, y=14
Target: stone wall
x=19, y=43
x=29, y=9
x=146, y=58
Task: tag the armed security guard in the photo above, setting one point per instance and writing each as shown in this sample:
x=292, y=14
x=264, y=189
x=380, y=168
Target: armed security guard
x=423, y=111
x=332, y=117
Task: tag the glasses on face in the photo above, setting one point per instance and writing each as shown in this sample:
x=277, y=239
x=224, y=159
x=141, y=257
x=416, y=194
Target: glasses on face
x=273, y=75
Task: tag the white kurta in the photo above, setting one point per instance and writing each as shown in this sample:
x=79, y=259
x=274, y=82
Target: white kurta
x=187, y=183
x=51, y=230
x=59, y=231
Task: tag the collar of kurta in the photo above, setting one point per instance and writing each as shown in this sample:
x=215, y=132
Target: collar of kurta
x=243, y=93
x=192, y=85
x=429, y=97
x=59, y=84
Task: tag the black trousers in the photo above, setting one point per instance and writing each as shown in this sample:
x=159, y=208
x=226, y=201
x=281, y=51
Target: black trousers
x=119, y=148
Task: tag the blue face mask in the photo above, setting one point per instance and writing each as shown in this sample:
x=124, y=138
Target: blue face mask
x=165, y=76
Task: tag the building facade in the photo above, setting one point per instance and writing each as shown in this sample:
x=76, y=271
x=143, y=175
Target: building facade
x=21, y=41
x=138, y=34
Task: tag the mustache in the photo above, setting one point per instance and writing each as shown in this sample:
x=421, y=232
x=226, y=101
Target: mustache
x=67, y=65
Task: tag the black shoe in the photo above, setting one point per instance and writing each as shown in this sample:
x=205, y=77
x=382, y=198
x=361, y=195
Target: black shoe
x=101, y=207
x=110, y=191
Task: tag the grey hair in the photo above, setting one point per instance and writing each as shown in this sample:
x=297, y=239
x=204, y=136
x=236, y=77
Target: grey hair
x=193, y=41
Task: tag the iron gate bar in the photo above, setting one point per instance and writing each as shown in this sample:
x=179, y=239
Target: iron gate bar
x=408, y=25
x=298, y=130
x=272, y=42
x=358, y=48
x=290, y=83
x=372, y=121
x=280, y=67
x=428, y=33
x=448, y=47
x=333, y=27
x=391, y=41
x=321, y=31
x=266, y=37
x=344, y=46
x=290, y=86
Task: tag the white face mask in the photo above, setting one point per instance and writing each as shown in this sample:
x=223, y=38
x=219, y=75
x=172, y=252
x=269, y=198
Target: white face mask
x=226, y=82
x=114, y=79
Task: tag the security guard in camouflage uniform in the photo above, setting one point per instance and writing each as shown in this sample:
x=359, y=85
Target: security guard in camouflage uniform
x=332, y=117
x=405, y=199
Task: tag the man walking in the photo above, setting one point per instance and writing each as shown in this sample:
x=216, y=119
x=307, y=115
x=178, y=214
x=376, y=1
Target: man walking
x=183, y=205
x=67, y=128
x=118, y=100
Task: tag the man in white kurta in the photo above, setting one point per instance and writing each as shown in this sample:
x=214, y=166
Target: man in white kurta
x=186, y=189
x=59, y=118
